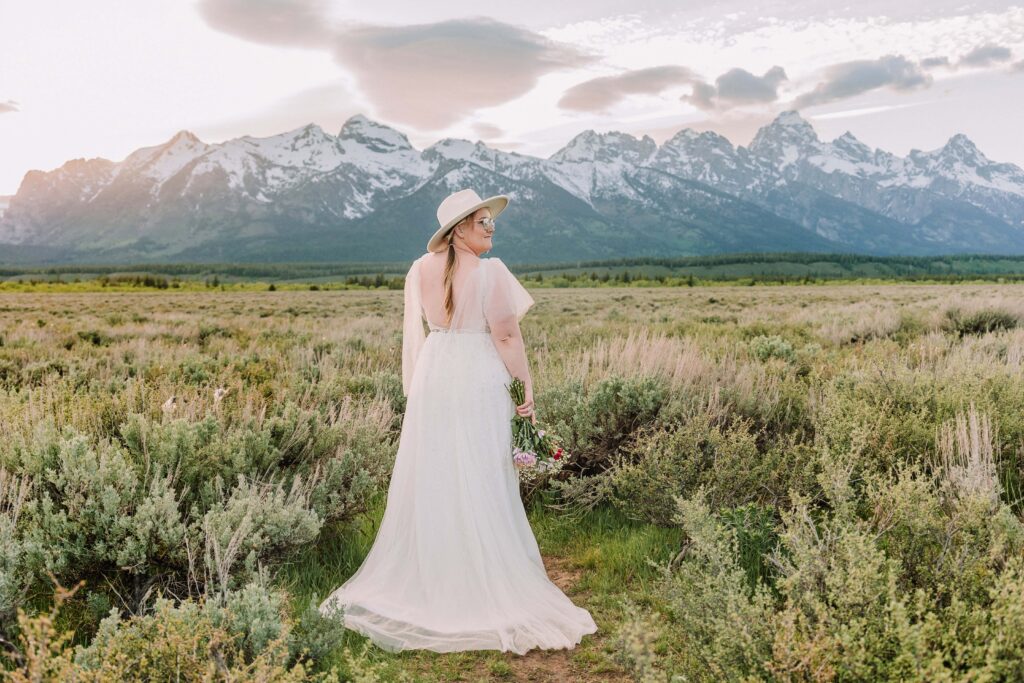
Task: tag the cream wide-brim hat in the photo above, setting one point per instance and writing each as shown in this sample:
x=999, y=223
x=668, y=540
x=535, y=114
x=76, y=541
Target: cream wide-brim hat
x=457, y=206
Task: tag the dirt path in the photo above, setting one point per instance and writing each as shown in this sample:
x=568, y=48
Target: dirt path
x=551, y=666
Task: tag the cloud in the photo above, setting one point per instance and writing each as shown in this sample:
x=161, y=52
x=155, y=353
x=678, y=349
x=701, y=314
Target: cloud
x=737, y=86
x=981, y=56
x=597, y=94
x=8, y=106
x=487, y=130
x=329, y=104
x=986, y=55
x=847, y=79
x=425, y=75
x=934, y=62
x=432, y=75
x=291, y=23
x=865, y=111
x=1017, y=66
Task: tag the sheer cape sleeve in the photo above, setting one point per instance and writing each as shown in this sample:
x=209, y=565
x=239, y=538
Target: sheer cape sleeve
x=505, y=299
x=413, y=335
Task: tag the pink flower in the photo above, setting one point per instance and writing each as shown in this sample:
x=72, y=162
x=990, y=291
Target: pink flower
x=524, y=459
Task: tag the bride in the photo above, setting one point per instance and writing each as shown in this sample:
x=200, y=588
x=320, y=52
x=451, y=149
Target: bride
x=455, y=564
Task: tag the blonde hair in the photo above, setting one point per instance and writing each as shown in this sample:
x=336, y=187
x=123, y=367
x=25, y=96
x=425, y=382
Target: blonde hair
x=449, y=270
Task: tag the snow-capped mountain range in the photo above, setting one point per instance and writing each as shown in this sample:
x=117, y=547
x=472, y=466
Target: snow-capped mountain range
x=368, y=195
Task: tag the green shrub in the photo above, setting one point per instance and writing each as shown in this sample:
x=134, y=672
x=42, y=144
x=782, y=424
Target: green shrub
x=184, y=504
x=910, y=328
x=94, y=510
x=764, y=347
x=666, y=463
x=860, y=602
x=195, y=370
x=597, y=423
x=386, y=384
x=723, y=626
x=10, y=373
x=35, y=373
x=756, y=537
x=981, y=321
x=635, y=643
x=726, y=460
x=248, y=637
x=920, y=580
x=15, y=570
x=205, y=332
x=94, y=337
x=888, y=419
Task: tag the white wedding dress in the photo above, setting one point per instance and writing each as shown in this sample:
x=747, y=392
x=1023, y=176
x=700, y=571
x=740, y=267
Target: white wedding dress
x=455, y=564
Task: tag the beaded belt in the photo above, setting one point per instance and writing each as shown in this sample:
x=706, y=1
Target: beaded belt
x=434, y=328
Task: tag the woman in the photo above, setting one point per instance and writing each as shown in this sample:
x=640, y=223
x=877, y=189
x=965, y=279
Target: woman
x=455, y=565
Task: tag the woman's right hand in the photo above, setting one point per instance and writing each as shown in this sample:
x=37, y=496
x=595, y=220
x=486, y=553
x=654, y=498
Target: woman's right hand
x=527, y=409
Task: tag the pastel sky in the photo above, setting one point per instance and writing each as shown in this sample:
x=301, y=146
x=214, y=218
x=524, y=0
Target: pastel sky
x=105, y=77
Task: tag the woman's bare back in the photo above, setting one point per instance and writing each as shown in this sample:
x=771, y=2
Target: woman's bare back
x=432, y=283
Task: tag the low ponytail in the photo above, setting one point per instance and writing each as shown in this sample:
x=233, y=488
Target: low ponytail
x=449, y=274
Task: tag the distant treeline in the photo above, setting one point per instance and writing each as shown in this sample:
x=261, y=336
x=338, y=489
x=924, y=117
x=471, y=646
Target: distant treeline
x=972, y=263
x=780, y=267
x=239, y=270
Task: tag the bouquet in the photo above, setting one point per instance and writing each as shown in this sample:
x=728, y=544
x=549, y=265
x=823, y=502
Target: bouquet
x=534, y=450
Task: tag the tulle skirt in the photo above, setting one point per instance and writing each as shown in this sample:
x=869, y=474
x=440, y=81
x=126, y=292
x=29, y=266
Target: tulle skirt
x=455, y=564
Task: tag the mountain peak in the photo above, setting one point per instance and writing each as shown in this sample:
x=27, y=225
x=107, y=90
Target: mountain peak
x=958, y=150
x=360, y=129
x=851, y=146
x=963, y=148
x=685, y=134
x=789, y=125
x=447, y=142
x=455, y=148
x=784, y=139
x=592, y=146
x=306, y=130
x=688, y=136
x=185, y=136
x=791, y=117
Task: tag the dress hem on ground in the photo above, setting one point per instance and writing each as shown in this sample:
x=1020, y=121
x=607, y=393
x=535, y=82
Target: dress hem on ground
x=394, y=635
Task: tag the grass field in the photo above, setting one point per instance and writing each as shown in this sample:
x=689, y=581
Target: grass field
x=770, y=483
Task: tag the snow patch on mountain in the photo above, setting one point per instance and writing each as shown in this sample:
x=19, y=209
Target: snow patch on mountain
x=959, y=161
x=182, y=149
x=594, y=165
x=305, y=149
x=383, y=153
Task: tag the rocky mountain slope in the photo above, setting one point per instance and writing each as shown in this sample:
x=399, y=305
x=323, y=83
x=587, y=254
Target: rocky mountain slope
x=368, y=194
